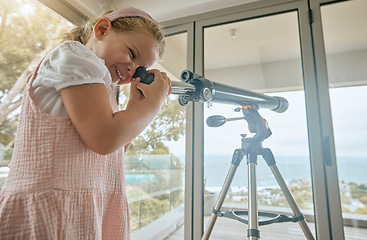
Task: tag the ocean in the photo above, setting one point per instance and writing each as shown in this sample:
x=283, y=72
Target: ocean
x=351, y=169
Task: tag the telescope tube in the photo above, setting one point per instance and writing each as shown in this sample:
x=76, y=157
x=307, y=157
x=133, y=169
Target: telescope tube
x=230, y=95
x=199, y=89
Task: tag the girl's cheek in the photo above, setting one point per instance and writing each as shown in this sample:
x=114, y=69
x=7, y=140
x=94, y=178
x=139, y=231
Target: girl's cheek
x=126, y=58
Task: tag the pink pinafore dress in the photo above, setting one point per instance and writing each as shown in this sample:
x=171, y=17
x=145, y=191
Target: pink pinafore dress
x=57, y=188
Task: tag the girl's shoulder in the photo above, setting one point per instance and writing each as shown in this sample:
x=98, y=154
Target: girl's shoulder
x=74, y=49
x=69, y=64
x=73, y=59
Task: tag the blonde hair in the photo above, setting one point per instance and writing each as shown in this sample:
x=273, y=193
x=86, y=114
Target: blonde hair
x=83, y=33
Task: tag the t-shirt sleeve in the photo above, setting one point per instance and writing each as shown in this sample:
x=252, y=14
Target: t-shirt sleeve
x=71, y=64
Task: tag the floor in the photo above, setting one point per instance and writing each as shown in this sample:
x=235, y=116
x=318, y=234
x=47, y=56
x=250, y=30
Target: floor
x=225, y=228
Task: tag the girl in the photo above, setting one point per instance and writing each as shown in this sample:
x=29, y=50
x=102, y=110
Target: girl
x=66, y=178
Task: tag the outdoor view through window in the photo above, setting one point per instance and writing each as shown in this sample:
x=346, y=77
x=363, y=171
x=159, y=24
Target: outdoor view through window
x=345, y=39
x=263, y=55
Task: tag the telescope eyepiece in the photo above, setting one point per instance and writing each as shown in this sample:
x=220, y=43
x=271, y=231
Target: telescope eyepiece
x=145, y=77
x=186, y=75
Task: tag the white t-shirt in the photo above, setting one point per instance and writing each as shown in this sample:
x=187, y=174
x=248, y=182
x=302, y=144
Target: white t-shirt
x=69, y=64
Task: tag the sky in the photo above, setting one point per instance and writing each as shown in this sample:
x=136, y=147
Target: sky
x=289, y=129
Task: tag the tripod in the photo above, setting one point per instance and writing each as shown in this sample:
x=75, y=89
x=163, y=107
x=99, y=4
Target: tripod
x=251, y=148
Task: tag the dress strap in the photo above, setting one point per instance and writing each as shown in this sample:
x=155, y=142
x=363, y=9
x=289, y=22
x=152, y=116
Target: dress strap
x=33, y=74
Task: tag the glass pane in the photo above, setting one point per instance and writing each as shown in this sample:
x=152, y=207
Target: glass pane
x=155, y=164
x=27, y=29
x=261, y=55
x=345, y=35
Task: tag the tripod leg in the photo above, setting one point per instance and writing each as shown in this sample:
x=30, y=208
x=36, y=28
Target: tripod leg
x=269, y=158
x=236, y=160
x=253, y=223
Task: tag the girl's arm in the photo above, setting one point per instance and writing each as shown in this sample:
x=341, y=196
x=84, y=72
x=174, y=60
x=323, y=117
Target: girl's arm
x=135, y=97
x=103, y=131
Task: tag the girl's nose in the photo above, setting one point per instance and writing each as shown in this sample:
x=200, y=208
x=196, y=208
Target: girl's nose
x=131, y=68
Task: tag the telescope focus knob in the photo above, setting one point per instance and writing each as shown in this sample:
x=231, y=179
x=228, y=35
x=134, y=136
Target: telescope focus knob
x=216, y=121
x=206, y=94
x=182, y=100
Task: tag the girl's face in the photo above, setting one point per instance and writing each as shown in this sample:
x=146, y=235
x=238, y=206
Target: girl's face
x=124, y=52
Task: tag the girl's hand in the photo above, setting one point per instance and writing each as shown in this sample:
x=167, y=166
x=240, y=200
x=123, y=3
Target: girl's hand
x=136, y=95
x=159, y=89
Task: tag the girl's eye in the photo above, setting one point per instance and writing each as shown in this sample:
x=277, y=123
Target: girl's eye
x=132, y=54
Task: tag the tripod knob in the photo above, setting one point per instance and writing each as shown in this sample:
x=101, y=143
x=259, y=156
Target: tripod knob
x=216, y=121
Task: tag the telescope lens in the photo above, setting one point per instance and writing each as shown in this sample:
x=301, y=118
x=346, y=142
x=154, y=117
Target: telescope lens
x=282, y=105
x=186, y=75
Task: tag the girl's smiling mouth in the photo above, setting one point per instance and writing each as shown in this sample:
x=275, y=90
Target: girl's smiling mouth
x=118, y=73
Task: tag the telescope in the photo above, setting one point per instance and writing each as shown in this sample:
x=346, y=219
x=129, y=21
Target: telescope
x=196, y=88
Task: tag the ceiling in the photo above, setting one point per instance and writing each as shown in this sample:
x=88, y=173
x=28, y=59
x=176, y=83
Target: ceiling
x=161, y=10
x=237, y=44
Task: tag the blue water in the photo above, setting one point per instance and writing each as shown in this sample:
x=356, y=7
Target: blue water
x=351, y=169
x=216, y=168
x=133, y=178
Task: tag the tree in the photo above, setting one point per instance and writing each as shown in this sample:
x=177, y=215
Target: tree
x=169, y=125
x=25, y=32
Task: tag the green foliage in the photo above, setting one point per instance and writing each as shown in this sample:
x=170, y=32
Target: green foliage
x=146, y=211
x=352, y=195
x=7, y=130
x=167, y=169
x=153, y=197
x=362, y=210
x=169, y=125
x=359, y=191
x=25, y=28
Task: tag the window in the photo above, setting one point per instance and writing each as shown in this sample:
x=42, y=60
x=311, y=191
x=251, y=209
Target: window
x=265, y=57
x=345, y=38
x=155, y=164
x=22, y=44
